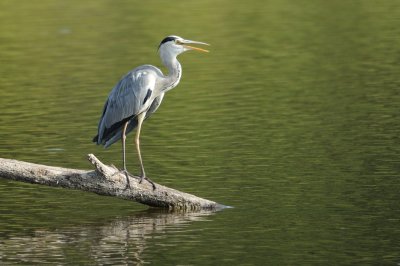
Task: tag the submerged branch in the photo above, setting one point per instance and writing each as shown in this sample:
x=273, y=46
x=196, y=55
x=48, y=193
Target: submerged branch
x=104, y=180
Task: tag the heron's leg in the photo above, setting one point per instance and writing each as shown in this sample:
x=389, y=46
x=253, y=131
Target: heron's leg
x=123, y=145
x=140, y=119
x=124, y=154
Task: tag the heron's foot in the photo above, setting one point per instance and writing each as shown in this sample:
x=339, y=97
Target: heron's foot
x=148, y=180
x=127, y=175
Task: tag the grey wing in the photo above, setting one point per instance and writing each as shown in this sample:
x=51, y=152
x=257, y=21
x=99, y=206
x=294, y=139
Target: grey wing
x=127, y=99
x=133, y=122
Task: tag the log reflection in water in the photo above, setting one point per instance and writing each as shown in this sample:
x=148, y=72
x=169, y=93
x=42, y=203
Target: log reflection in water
x=122, y=240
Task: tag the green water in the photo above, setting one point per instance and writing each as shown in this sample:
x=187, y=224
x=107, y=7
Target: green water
x=292, y=119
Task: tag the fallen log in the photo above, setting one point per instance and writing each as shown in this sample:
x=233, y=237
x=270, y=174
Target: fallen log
x=104, y=180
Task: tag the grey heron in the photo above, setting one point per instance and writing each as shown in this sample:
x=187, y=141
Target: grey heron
x=138, y=95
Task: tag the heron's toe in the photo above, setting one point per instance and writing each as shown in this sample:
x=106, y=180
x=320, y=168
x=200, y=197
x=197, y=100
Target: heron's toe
x=148, y=180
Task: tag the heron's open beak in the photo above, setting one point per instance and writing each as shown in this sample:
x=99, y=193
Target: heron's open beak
x=185, y=42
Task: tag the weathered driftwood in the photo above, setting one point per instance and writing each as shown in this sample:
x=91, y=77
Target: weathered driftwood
x=104, y=180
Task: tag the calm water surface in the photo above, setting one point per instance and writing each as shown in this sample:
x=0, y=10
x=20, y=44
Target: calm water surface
x=293, y=119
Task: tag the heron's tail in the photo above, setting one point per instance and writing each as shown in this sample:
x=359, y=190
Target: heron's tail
x=113, y=136
x=117, y=135
x=107, y=142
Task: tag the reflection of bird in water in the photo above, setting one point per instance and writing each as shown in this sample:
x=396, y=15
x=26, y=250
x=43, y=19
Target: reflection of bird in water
x=129, y=237
x=138, y=94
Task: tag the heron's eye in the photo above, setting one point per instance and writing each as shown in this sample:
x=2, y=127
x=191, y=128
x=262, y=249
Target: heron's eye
x=178, y=42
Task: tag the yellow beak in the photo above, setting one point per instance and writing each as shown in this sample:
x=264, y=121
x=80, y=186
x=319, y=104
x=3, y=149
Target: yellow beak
x=186, y=42
x=196, y=48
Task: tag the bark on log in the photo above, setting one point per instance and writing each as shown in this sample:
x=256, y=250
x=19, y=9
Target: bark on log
x=104, y=180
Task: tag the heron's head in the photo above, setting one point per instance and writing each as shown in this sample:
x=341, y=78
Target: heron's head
x=175, y=45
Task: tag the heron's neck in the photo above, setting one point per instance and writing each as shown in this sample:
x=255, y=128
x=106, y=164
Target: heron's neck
x=174, y=73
